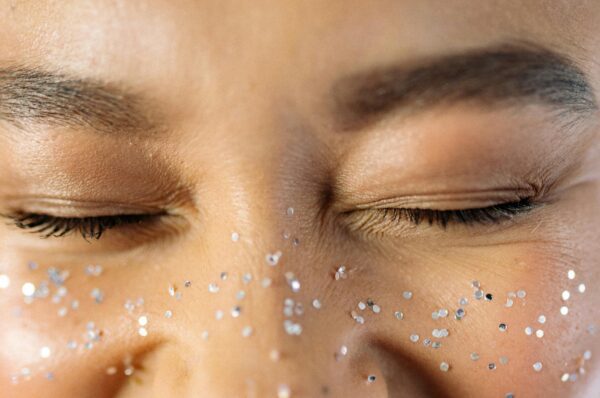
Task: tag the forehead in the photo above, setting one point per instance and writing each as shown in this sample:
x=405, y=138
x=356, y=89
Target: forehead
x=118, y=36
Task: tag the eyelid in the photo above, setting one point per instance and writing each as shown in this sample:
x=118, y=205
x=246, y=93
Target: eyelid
x=396, y=221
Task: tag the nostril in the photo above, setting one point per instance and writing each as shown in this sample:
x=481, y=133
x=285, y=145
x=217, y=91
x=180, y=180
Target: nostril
x=404, y=376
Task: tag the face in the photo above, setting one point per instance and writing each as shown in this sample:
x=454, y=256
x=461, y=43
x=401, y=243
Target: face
x=286, y=199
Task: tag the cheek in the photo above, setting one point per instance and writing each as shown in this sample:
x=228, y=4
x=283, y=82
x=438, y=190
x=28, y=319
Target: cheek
x=524, y=327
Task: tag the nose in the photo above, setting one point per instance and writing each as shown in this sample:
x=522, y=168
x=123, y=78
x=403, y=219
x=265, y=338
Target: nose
x=261, y=315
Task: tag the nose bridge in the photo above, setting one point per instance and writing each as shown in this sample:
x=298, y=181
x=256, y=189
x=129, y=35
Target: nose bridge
x=260, y=291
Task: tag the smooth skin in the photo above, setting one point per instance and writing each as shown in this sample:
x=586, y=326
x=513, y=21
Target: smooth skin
x=241, y=90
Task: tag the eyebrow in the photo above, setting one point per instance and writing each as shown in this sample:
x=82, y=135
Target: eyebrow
x=32, y=95
x=514, y=74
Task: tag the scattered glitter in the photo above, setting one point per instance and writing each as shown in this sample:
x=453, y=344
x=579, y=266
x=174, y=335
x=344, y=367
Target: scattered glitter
x=427, y=342
x=32, y=265
x=371, y=379
x=491, y=366
x=436, y=344
x=439, y=333
x=565, y=295
x=478, y=294
x=443, y=313
x=4, y=281
x=273, y=258
x=283, y=391
x=414, y=338
x=97, y=295
x=502, y=327
x=143, y=320
x=359, y=319
x=444, y=367
x=376, y=309
x=111, y=370
x=521, y=294
x=537, y=366
x=291, y=328
x=45, y=352
x=290, y=211
x=93, y=270
x=143, y=332
x=316, y=304
x=407, y=295
x=75, y=304
x=509, y=303
x=274, y=355
x=224, y=275
x=204, y=335
x=528, y=331
x=343, y=350
x=266, y=282
x=247, y=278
x=213, y=288
x=564, y=310
x=240, y=295
x=474, y=356
x=247, y=331
x=542, y=319
x=504, y=360
x=459, y=314
x=509, y=395
x=341, y=273
x=581, y=288
x=292, y=281
x=571, y=274
x=235, y=236
x=399, y=315
x=463, y=301
x=168, y=314
x=72, y=344
x=187, y=283
x=62, y=311
x=476, y=284
x=564, y=378
x=28, y=289
x=489, y=297
x=218, y=315
x=361, y=306
x=587, y=355
x=236, y=311
x=539, y=333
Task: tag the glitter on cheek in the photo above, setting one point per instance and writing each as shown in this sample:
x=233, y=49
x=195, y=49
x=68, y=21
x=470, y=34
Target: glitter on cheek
x=4, y=281
x=537, y=366
x=28, y=289
x=564, y=310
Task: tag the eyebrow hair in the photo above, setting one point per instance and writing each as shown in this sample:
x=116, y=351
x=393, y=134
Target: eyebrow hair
x=34, y=95
x=512, y=74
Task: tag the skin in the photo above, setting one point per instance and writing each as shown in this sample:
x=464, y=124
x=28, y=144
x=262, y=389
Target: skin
x=240, y=87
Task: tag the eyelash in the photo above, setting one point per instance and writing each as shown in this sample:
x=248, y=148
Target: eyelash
x=94, y=227
x=88, y=227
x=443, y=218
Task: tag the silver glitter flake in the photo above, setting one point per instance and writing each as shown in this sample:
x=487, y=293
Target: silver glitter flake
x=341, y=273
x=444, y=367
x=273, y=258
x=247, y=331
x=459, y=314
x=407, y=295
x=292, y=281
x=168, y=314
x=478, y=294
x=97, y=295
x=542, y=319
x=414, y=338
x=316, y=304
x=235, y=236
x=571, y=274
x=474, y=356
x=283, y=391
x=399, y=315
x=502, y=327
x=371, y=379
x=213, y=288
x=537, y=366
